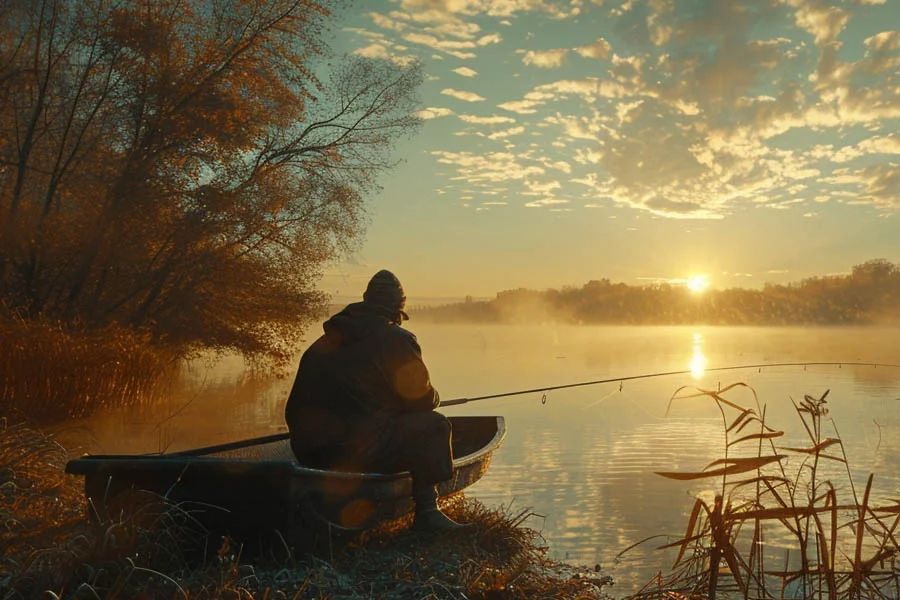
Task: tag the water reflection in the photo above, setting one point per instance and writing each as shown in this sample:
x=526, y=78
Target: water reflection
x=698, y=359
x=585, y=460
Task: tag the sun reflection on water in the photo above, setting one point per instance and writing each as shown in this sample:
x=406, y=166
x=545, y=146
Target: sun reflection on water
x=698, y=359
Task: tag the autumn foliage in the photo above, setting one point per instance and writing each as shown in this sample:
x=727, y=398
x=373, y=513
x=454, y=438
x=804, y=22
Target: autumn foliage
x=185, y=167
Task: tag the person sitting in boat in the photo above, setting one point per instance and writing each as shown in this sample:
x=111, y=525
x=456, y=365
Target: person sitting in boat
x=363, y=401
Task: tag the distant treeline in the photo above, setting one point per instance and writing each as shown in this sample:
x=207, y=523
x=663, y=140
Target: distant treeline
x=869, y=294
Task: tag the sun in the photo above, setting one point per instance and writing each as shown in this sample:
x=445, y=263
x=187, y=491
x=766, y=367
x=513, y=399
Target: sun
x=697, y=283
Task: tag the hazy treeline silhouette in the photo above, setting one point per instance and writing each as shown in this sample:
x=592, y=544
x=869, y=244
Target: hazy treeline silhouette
x=178, y=167
x=869, y=294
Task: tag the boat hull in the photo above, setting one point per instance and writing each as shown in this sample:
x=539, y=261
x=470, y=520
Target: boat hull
x=257, y=484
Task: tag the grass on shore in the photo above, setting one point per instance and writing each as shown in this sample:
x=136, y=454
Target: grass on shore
x=50, y=550
x=50, y=373
x=763, y=530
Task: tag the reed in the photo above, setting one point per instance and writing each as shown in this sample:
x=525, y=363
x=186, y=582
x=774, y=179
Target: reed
x=50, y=372
x=834, y=544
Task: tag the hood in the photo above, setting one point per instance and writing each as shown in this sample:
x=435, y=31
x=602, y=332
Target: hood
x=356, y=321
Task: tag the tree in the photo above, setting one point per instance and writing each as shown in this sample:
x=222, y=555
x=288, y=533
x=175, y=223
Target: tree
x=177, y=165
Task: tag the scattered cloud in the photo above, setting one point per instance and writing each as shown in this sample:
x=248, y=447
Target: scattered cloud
x=454, y=48
x=374, y=50
x=597, y=49
x=786, y=104
x=462, y=95
x=889, y=144
x=491, y=38
x=465, y=72
x=523, y=107
x=541, y=188
x=491, y=167
x=545, y=202
x=506, y=133
x=433, y=113
x=545, y=59
x=492, y=120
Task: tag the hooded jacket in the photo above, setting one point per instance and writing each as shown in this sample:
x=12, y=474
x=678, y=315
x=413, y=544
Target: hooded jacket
x=352, y=383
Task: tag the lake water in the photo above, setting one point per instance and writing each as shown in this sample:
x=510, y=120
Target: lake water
x=584, y=458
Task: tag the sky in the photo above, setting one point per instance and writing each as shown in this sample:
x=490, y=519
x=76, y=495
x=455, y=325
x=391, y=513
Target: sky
x=744, y=141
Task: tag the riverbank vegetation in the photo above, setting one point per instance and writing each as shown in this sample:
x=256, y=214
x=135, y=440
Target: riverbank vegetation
x=774, y=517
x=870, y=294
x=174, y=176
x=782, y=521
x=50, y=373
x=149, y=550
x=180, y=169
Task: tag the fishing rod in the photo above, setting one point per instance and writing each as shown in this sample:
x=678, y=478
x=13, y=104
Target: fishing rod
x=759, y=366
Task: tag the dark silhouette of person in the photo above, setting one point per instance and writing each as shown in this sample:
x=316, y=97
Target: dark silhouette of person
x=363, y=401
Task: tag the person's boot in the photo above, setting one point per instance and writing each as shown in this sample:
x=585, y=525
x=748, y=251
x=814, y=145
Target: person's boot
x=429, y=518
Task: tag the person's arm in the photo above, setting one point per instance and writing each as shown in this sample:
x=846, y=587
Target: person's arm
x=409, y=374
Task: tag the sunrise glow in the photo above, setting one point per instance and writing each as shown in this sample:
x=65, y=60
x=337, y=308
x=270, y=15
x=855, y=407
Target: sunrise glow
x=678, y=132
x=698, y=358
x=697, y=283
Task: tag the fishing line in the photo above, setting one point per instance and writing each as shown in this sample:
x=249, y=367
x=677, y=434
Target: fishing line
x=760, y=366
x=604, y=398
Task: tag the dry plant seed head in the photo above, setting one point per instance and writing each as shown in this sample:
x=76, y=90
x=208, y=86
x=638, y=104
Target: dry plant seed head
x=842, y=546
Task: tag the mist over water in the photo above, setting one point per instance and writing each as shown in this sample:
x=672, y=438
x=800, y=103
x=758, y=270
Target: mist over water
x=584, y=458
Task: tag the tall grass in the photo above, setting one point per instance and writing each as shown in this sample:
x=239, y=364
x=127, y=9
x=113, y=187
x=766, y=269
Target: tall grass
x=773, y=532
x=148, y=547
x=50, y=373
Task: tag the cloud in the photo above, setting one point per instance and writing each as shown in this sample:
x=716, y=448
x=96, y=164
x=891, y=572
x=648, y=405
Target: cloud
x=451, y=47
x=597, y=49
x=824, y=23
x=882, y=53
x=386, y=22
x=559, y=165
x=576, y=127
x=379, y=46
x=679, y=208
x=444, y=10
x=365, y=33
x=465, y=72
x=374, y=50
x=491, y=167
x=545, y=202
x=588, y=156
x=541, y=188
x=881, y=186
x=491, y=38
x=506, y=133
x=462, y=95
x=687, y=119
x=889, y=144
x=545, y=59
x=492, y=120
x=589, y=88
x=433, y=113
x=522, y=107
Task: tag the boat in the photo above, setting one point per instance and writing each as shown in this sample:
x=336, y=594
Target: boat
x=257, y=484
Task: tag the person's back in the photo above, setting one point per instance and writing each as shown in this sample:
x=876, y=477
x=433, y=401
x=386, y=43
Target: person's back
x=351, y=385
x=363, y=401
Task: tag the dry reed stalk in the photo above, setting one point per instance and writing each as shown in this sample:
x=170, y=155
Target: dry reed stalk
x=715, y=560
x=50, y=373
